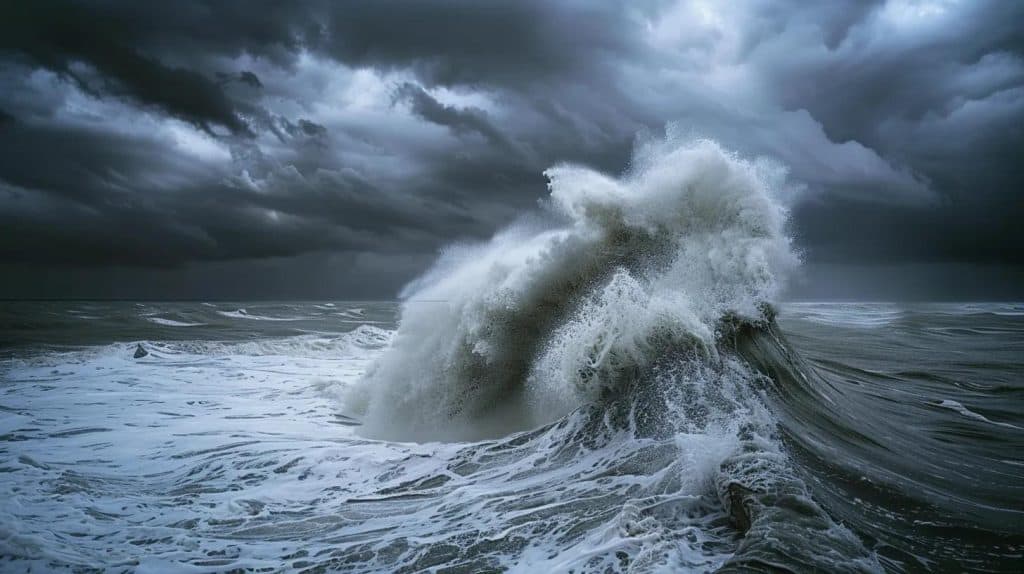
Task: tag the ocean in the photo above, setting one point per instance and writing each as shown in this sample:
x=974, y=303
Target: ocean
x=885, y=437
x=608, y=386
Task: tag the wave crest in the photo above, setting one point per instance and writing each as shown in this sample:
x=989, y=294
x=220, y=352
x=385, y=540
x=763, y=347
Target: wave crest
x=522, y=329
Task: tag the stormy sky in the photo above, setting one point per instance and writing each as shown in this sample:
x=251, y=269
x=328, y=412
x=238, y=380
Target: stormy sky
x=330, y=149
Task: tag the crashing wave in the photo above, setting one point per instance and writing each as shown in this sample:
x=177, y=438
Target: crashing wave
x=522, y=329
x=635, y=316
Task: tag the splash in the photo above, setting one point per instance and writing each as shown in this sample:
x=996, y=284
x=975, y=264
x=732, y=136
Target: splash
x=545, y=317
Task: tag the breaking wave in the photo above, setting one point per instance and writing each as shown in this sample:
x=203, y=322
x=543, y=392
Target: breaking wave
x=633, y=318
x=550, y=313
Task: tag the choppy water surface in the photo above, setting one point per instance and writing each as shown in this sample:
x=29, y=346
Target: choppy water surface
x=883, y=437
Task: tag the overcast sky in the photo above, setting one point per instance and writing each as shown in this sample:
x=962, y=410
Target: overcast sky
x=329, y=149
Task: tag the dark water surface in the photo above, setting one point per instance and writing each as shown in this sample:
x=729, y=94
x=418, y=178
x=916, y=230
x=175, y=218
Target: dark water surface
x=917, y=438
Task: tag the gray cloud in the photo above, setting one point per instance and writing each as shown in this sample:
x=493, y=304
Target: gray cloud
x=194, y=134
x=469, y=120
x=98, y=54
x=250, y=79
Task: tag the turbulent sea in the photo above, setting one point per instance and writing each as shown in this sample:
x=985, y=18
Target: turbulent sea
x=608, y=387
x=225, y=448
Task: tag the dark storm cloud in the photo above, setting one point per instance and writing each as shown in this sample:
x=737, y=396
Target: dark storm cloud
x=129, y=200
x=64, y=36
x=250, y=79
x=459, y=121
x=473, y=43
x=312, y=129
x=173, y=134
x=874, y=79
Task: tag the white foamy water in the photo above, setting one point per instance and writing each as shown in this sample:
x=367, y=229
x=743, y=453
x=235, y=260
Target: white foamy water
x=214, y=456
x=176, y=458
x=209, y=455
x=173, y=322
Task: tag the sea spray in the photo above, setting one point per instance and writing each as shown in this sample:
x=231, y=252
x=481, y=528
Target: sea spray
x=518, y=331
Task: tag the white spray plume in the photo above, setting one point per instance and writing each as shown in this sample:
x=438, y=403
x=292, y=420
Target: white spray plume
x=519, y=330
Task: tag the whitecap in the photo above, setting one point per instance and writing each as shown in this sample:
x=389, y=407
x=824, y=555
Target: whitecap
x=960, y=408
x=243, y=314
x=172, y=322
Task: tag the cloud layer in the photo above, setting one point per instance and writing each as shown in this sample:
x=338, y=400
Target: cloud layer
x=296, y=135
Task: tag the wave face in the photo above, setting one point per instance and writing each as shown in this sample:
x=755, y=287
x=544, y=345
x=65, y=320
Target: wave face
x=550, y=314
